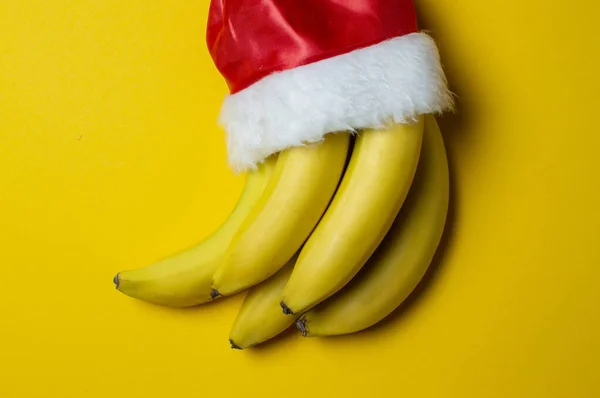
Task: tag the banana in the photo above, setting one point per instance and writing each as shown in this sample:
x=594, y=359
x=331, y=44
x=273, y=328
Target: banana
x=375, y=185
x=402, y=259
x=183, y=279
x=260, y=318
x=296, y=197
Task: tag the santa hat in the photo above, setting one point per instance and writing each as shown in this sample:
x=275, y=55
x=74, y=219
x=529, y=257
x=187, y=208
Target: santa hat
x=299, y=69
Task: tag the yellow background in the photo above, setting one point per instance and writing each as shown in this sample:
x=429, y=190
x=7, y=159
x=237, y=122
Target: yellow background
x=110, y=158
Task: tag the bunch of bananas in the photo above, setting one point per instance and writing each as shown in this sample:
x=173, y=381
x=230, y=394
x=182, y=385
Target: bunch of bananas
x=308, y=220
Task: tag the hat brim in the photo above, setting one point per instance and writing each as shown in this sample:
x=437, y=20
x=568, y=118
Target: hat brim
x=393, y=81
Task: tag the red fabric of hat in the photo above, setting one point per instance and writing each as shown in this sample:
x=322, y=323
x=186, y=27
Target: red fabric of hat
x=299, y=69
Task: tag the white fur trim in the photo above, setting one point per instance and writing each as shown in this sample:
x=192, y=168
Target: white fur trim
x=393, y=81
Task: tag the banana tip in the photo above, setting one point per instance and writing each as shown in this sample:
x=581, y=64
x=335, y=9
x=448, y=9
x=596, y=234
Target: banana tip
x=116, y=281
x=286, y=310
x=214, y=293
x=234, y=346
x=301, y=326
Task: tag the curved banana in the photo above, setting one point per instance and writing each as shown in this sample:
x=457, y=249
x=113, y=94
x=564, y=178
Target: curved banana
x=260, y=318
x=183, y=279
x=402, y=259
x=302, y=186
x=375, y=185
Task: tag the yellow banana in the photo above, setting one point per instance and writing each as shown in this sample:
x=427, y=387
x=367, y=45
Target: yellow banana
x=402, y=259
x=183, y=279
x=296, y=197
x=260, y=317
x=375, y=185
